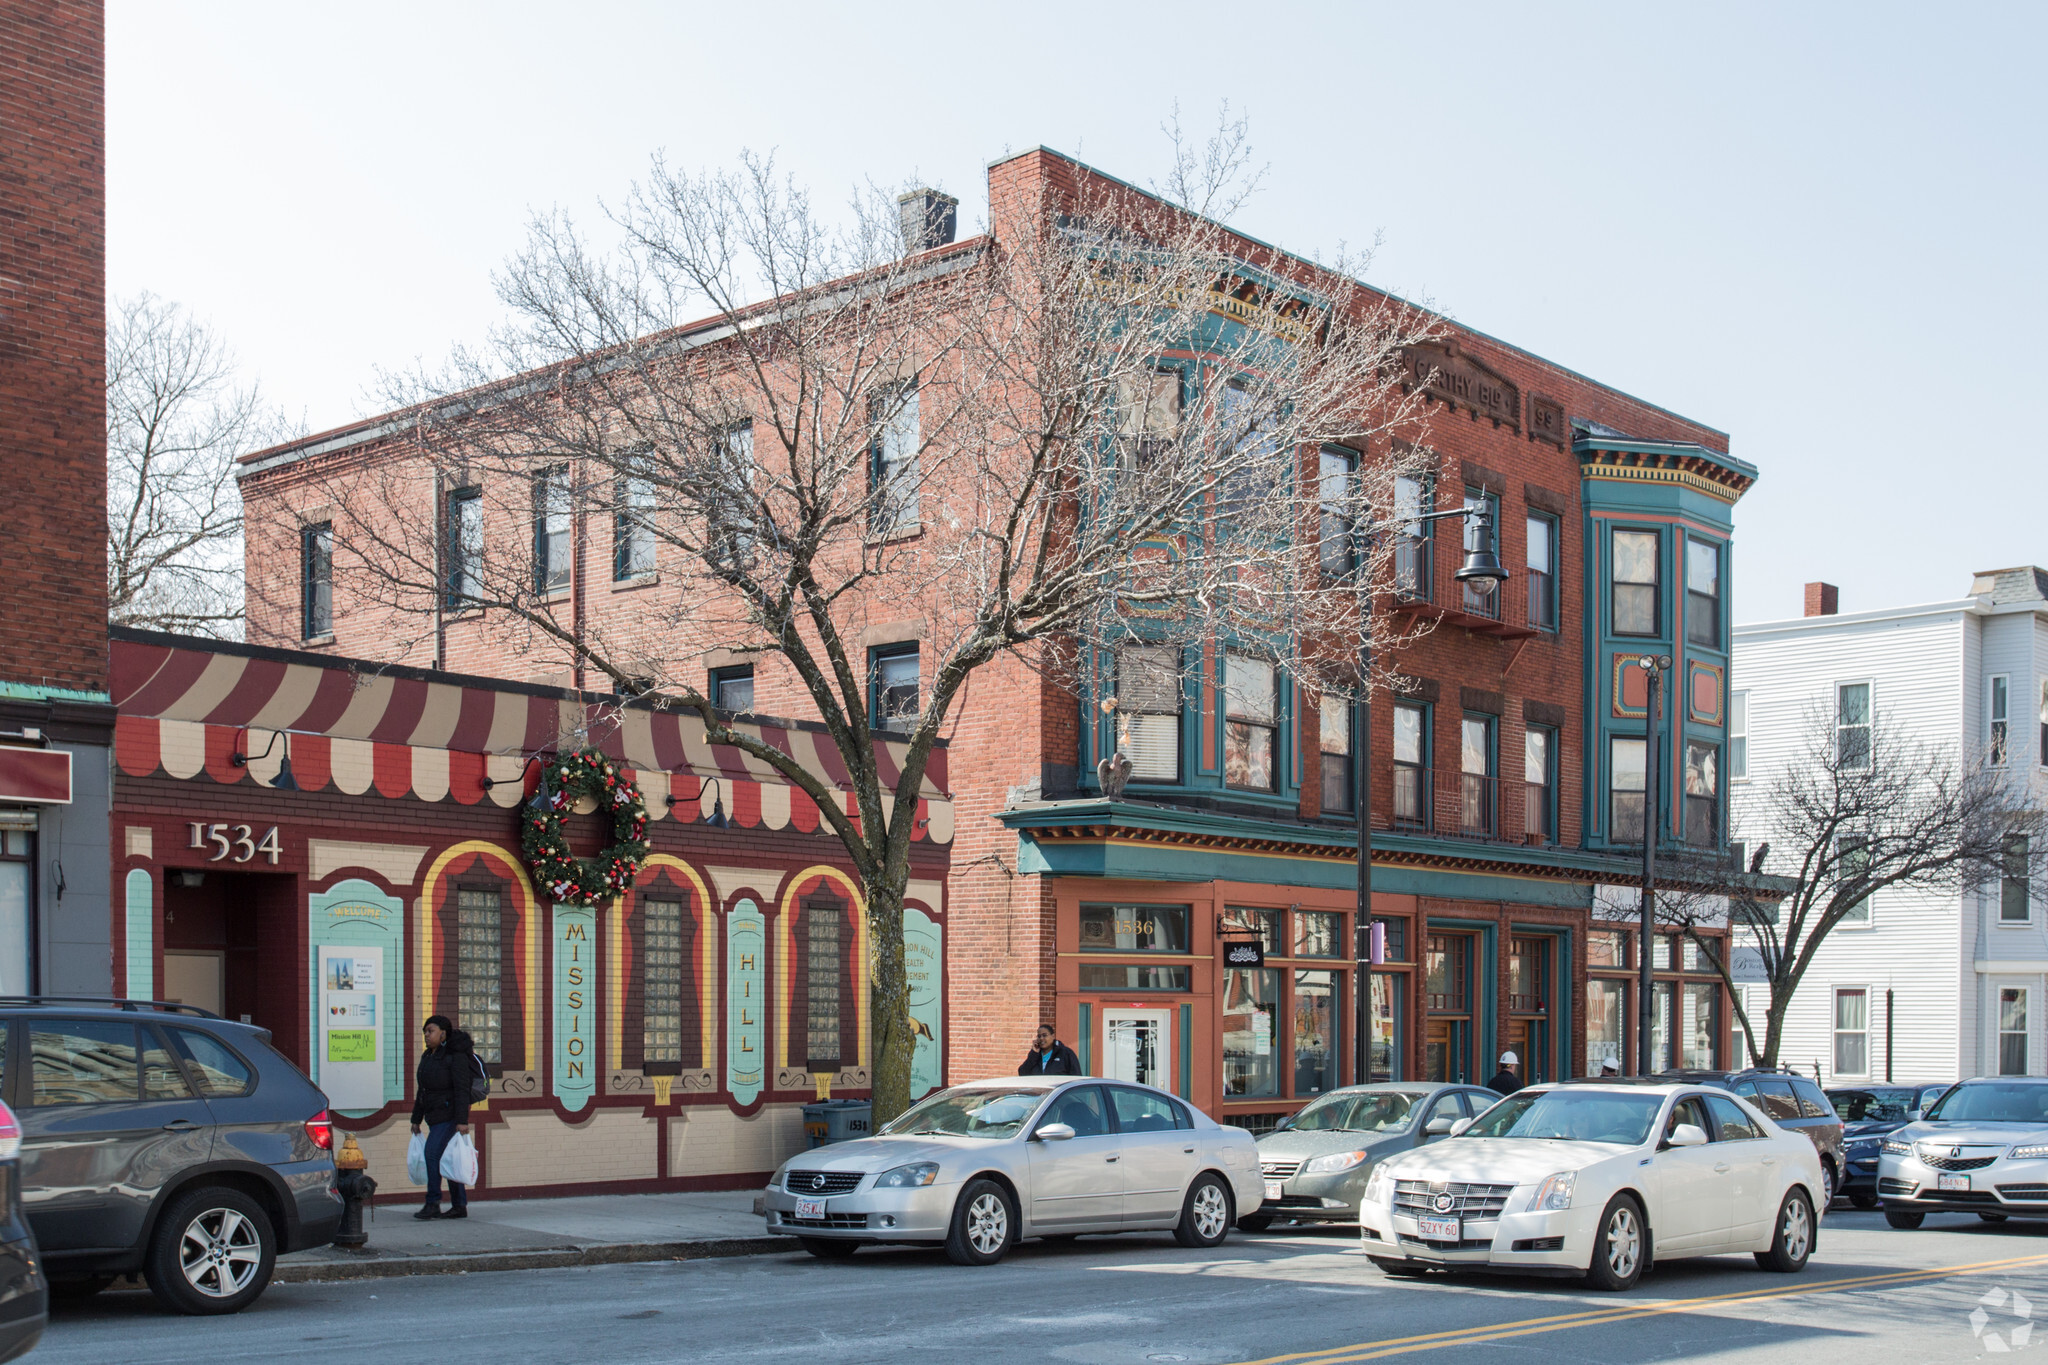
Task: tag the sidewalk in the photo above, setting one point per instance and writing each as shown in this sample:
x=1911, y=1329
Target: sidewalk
x=530, y=1234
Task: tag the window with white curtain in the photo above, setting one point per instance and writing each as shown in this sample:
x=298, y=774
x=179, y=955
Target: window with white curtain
x=1148, y=708
x=1852, y=1031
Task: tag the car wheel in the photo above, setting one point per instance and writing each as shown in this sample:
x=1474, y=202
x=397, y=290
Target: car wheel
x=1620, y=1246
x=1402, y=1269
x=1827, y=1185
x=1793, y=1242
x=829, y=1248
x=1205, y=1215
x=212, y=1252
x=1255, y=1222
x=1992, y=1217
x=983, y=1225
x=1863, y=1201
x=1904, y=1218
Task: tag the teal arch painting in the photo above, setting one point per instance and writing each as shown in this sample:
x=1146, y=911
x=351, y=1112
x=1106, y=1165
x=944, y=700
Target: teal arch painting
x=141, y=921
x=746, y=1000
x=923, y=952
x=355, y=914
x=575, y=1052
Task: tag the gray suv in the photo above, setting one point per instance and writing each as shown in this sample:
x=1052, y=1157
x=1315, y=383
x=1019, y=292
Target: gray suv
x=159, y=1138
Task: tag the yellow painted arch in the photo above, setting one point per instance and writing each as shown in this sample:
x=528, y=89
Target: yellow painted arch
x=788, y=955
x=424, y=970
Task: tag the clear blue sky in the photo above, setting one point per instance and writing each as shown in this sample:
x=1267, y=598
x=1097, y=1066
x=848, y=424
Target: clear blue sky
x=1815, y=227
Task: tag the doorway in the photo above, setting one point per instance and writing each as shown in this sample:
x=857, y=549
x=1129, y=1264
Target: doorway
x=1137, y=1046
x=1447, y=982
x=233, y=944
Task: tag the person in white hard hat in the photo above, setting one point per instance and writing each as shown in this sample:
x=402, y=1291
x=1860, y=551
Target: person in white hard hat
x=1505, y=1080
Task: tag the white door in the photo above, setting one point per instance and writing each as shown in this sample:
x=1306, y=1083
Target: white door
x=194, y=979
x=1137, y=1045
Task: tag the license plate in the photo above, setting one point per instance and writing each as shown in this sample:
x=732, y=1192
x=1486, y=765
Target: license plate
x=1952, y=1182
x=1438, y=1229
x=1273, y=1188
x=809, y=1208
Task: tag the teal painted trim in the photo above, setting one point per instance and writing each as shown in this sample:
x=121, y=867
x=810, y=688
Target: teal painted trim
x=1087, y=1040
x=40, y=692
x=923, y=952
x=1187, y=1047
x=140, y=979
x=1487, y=1017
x=746, y=1027
x=1583, y=444
x=574, y=929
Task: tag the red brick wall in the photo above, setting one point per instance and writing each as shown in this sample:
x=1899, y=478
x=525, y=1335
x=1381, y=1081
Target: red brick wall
x=53, y=343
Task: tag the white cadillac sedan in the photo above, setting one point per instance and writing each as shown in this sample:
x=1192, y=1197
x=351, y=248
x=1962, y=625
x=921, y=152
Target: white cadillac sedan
x=976, y=1167
x=1597, y=1179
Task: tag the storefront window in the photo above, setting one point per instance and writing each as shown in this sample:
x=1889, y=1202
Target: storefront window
x=1447, y=1049
x=1388, y=993
x=479, y=971
x=1251, y=1000
x=1315, y=1032
x=1318, y=933
x=1660, y=1026
x=1607, y=948
x=1395, y=933
x=15, y=948
x=1098, y=976
x=1696, y=1037
x=661, y=981
x=1606, y=1008
x=1239, y=921
x=1134, y=928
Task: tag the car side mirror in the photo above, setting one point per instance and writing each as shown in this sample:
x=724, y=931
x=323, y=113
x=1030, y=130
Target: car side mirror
x=1687, y=1135
x=1054, y=1132
x=1461, y=1125
x=1914, y=1115
x=1438, y=1126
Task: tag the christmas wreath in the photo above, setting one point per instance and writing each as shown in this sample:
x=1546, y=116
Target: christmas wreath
x=562, y=876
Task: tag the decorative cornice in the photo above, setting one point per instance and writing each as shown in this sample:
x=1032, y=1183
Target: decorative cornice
x=1691, y=466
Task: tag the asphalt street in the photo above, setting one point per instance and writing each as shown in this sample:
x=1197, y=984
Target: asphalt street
x=1958, y=1289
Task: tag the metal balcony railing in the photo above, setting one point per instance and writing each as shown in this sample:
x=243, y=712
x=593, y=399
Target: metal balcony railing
x=1474, y=812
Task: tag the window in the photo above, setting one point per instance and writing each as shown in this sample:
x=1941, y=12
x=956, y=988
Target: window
x=220, y=1072
x=661, y=981
x=1250, y=725
x=1318, y=933
x=893, y=688
x=82, y=1061
x=1239, y=921
x=1738, y=736
x=1336, y=744
x=1852, y=1031
x=2044, y=723
x=1698, y=1025
x=316, y=578
x=1771, y=1095
x=551, y=530
x=732, y=688
x=1140, y=1111
x=1606, y=1010
x=1251, y=1009
x=1702, y=593
x=465, y=547
x=1731, y=1123
x=1625, y=790
x=1412, y=801
x=824, y=919
x=162, y=1077
x=1389, y=1000
x=1393, y=937
x=1537, y=746
x=729, y=505
x=1481, y=533
x=1134, y=928
x=1148, y=702
x=2001, y=702
x=894, y=479
x=1314, y=1044
x=1607, y=948
x=1335, y=528
x=1412, y=542
x=1852, y=865
x=1542, y=565
x=1702, y=793
x=1635, y=582
x=2012, y=1031
x=1149, y=404
x=479, y=970
x=633, y=530
x=1475, y=775
x=1852, y=727
x=1097, y=976
x=1249, y=471
x=2015, y=902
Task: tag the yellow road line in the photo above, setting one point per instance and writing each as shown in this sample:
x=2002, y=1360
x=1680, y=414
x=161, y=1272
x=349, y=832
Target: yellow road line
x=1466, y=1336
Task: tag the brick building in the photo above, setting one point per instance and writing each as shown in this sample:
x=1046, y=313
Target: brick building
x=1506, y=780
x=55, y=721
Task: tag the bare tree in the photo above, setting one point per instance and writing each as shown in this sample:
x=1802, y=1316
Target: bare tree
x=1087, y=441
x=1850, y=814
x=177, y=417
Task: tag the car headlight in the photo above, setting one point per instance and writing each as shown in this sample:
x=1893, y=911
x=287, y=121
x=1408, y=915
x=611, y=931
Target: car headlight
x=1334, y=1161
x=1555, y=1192
x=908, y=1177
x=1898, y=1146
x=1378, y=1186
x=1864, y=1147
x=2026, y=1153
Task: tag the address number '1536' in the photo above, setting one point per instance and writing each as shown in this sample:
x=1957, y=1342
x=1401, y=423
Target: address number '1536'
x=234, y=842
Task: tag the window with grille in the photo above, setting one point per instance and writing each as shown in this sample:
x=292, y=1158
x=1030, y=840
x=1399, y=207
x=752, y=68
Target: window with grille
x=823, y=971
x=661, y=981
x=479, y=971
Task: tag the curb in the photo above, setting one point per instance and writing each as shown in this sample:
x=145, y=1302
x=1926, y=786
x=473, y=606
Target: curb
x=369, y=1265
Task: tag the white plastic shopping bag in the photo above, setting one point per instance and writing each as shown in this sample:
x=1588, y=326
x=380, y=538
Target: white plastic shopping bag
x=458, y=1160
x=416, y=1159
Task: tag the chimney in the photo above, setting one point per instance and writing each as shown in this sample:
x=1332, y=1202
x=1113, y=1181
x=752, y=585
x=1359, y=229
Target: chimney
x=928, y=219
x=1822, y=599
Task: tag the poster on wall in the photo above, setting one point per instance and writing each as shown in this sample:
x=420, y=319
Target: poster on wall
x=350, y=1048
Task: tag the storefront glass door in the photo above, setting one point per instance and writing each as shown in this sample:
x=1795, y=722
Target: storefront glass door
x=1447, y=1045
x=1137, y=1045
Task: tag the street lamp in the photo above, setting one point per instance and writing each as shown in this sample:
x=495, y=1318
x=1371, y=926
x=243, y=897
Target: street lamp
x=1653, y=667
x=1483, y=573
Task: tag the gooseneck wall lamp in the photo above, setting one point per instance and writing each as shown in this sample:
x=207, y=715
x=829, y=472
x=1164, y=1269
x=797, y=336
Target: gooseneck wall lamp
x=717, y=819
x=284, y=781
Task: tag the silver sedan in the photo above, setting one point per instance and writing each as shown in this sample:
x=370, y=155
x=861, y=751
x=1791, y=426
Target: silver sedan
x=979, y=1166
x=1315, y=1166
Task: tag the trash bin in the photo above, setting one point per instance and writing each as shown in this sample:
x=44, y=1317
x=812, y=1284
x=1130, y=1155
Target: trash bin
x=829, y=1121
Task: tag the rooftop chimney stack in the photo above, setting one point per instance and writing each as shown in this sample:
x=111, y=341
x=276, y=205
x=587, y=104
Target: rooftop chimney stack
x=928, y=219
x=1822, y=599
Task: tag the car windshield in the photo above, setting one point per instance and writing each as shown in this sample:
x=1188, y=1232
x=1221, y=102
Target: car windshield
x=970, y=1113
x=1992, y=1102
x=1376, y=1111
x=1572, y=1116
x=1873, y=1106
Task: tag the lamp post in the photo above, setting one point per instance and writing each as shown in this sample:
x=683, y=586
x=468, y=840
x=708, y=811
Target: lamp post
x=1646, y=1009
x=1483, y=571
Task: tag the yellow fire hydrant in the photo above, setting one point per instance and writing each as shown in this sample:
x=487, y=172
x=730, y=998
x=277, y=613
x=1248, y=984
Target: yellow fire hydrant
x=352, y=1182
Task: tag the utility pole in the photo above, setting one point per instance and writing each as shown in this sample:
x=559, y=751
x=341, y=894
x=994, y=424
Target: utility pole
x=1646, y=1004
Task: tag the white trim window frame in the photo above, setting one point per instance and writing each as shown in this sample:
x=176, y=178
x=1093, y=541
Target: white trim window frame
x=1852, y=858
x=1738, y=736
x=2015, y=887
x=2014, y=1038
x=1851, y=1031
x=1998, y=707
x=1853, y=724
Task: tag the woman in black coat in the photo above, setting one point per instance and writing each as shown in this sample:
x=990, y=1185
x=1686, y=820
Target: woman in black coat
x=441, y=1101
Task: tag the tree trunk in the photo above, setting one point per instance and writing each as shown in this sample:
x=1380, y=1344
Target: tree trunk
x=1774, y=1023
x=889, y=1002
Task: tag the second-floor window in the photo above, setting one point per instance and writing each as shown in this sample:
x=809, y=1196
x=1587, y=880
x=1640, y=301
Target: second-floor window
x=1149, y=404
x=1481, y=533
x=1542, y=562
x=1635, y=582
x=1852, y=727
x=1702, y=793
x=465, y=547
x=1852, y=866
x=1335, y=522
x=633, y=530
x=1148, y=701
x=732, y=687
x=1626, y=790
x=1738, y=736
x=1475, y=774
x=2014, y=891
x=1411, y=765
x=1702, y=593
x=1251, y=722
x=1411, y=537
x=893, y=688
x=1537, y=744
x=2044, y=723
x=316, y=581
x=551, y=530
x=894, y=479
x=1337, y=749
x=2001, y=718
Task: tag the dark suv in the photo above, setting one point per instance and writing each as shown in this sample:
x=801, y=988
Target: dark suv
x=1792, y=1101
x=1868, y=1112
x=159, y=1138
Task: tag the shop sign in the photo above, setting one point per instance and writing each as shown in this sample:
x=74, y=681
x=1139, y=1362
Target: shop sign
x=923, y=951
x=41, y=775
x=1247, y=954
x=746, y=1031
x=234, y=843
x=351, y=1059
x=575, y=1078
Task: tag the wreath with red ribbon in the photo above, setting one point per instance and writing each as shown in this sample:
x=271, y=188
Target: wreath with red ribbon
x=562, y=876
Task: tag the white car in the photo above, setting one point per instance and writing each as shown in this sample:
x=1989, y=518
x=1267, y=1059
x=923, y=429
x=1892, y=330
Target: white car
x=976, y=1167
x=1597, y=1180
